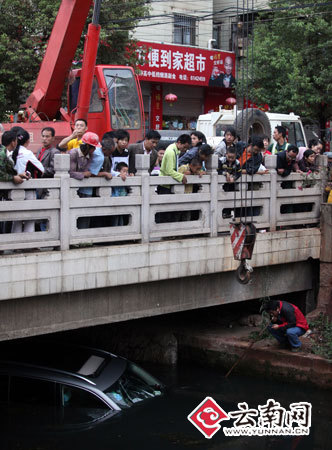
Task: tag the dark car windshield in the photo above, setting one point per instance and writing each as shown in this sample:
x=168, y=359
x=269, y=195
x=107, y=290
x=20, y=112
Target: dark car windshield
x=133, y=386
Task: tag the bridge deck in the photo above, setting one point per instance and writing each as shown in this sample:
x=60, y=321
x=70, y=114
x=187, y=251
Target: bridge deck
x=148, y=274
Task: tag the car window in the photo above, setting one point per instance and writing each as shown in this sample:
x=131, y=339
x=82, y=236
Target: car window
x=41, y=404
x=294, y=133
x=299, y=135
x=73, y=397
x=26, y=403
x=290, y=131
x=81, y=406
x=31, y=391
x=96, y=104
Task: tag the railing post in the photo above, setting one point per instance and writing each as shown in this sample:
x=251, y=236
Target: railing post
x=323, y=169
x=62, y=165
x=271, y=164
x=211, y=167
x=142, y=164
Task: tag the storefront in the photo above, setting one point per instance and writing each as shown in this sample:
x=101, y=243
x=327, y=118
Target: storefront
x=199, y=79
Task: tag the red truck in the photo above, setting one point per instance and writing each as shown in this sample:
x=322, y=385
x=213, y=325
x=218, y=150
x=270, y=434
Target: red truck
x=108, y=97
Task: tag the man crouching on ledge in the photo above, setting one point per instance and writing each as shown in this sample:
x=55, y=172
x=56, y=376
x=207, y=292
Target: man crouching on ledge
x=287, y=323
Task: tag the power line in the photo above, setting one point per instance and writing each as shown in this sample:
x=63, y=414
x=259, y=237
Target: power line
x=150, y=4
x=285, y=8
x=256, y=22
x=236, y=11
x=272, y=19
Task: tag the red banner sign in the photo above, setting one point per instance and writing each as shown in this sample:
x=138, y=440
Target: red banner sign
x=187, y=65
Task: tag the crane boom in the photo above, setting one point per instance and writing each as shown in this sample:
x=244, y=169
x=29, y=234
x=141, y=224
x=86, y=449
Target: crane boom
x=60, y=52
x=107, y=96
x=89, y=62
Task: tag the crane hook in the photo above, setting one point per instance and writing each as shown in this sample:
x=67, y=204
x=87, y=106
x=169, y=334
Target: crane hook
x=243, y=272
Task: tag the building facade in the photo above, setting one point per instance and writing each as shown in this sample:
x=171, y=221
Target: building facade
x=227, y=16
x=181, y=59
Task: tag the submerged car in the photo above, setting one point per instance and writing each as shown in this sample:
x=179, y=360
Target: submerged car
x=69, y=385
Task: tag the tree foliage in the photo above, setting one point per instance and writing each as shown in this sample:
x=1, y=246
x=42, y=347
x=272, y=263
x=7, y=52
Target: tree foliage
x=25, y=28
x=291, y=64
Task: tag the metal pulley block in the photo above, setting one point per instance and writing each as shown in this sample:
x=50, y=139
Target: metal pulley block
x=243, y=237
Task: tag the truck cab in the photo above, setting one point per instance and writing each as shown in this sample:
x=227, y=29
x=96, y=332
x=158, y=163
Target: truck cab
x=116, y=100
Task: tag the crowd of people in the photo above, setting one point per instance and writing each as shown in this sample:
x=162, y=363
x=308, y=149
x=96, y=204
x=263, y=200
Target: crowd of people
x=114, y=156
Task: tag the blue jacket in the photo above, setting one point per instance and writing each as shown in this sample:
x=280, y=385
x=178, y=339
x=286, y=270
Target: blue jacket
x=189, y=156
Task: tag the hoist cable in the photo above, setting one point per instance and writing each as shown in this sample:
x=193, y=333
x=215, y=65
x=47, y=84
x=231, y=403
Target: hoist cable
x=242, y=118
x=236, y=107
x=247, y=98
x=252, y=109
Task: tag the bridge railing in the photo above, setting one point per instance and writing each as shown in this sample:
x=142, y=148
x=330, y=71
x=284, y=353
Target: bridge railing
x=143, y=215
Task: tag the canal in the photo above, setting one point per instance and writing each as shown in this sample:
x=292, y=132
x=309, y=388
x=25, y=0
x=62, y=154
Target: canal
x=162, y=423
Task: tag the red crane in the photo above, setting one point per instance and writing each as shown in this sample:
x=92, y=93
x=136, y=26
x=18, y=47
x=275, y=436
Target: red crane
x=108, y=97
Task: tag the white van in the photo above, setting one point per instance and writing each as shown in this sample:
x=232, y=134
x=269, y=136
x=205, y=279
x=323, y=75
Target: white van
x=248, y=122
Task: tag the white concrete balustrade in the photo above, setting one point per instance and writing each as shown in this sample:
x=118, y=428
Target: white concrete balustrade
x=272, y=206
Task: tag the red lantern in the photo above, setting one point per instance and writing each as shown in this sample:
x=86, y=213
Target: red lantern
x=231, y=101
x=171, y=98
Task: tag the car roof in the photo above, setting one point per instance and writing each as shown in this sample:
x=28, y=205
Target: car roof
x=64, y=361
